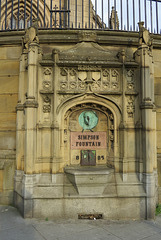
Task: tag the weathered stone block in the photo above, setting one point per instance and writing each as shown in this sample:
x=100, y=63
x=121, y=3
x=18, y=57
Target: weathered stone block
x=8, y=103
x=70, y=208
x=13, y=52
x=9, y=67
x=9, y=170
x=8, y=121
x=7, y=140
x=9, y=84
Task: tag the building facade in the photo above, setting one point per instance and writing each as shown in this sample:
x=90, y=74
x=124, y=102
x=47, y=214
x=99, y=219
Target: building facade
x=80, y=123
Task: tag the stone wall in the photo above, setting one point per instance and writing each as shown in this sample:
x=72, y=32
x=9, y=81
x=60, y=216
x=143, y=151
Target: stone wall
x=157, y=90
x=9, y=80
x=11, y=76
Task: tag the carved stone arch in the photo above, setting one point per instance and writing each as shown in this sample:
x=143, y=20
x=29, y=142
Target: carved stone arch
x=92, y=98
x=105, y=108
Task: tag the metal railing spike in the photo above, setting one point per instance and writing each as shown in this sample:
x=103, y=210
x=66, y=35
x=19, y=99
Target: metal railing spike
x=83, y=14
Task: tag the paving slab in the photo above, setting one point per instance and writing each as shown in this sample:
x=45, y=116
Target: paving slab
x=133, y=230
x=94, y=234
x=14, y=227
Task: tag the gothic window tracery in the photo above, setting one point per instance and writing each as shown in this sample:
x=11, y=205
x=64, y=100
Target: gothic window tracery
x=20, y=14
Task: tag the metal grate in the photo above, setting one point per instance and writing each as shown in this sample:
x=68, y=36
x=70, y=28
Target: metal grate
x=81, y=14
x=90, y=216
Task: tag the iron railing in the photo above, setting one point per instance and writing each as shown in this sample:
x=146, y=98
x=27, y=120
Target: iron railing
x=82, y=14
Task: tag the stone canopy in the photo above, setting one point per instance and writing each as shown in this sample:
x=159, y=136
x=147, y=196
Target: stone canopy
x=88, y=52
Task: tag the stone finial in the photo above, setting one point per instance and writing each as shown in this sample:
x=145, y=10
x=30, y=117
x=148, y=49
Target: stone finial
x=122, y=55
x=114, y=20
x=144, y=36
x=30, y=35
x=35, y=23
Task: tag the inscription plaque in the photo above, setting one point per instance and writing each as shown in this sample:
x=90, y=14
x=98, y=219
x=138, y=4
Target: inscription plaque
x=88, y=140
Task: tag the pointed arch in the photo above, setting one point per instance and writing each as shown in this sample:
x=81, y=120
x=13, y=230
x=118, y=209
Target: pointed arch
x=18, y=14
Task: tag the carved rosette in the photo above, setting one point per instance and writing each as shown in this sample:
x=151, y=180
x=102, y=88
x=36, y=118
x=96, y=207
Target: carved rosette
x=46, y=85
x=100, y=79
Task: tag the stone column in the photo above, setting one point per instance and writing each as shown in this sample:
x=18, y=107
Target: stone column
x=26, y=122
x=30, y=106
x=20, y=114
x=56, y=120
x=31, y=109
x=148, y=115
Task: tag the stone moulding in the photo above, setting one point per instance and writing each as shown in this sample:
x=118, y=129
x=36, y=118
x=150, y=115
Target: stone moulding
x=46, y=63
x=105, y=63
x=20, y=107
x=31, y=104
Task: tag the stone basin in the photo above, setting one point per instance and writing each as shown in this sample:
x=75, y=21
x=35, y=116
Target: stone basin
x=89, y=181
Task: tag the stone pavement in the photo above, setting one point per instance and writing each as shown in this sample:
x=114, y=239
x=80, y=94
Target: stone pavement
x=14, y=227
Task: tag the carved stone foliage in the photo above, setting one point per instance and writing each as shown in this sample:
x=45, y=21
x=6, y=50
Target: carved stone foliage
x=130, y=106
x=130, y=80
x=46, y=104
x=99, y=79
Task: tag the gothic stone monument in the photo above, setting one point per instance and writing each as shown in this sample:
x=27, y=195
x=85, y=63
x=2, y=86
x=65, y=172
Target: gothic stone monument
x=86, y=130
